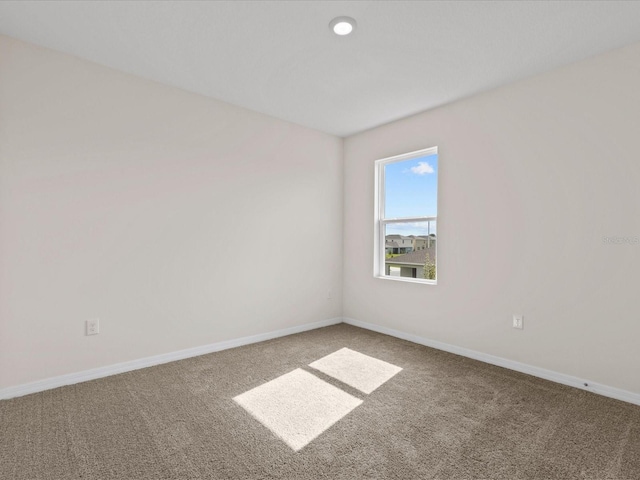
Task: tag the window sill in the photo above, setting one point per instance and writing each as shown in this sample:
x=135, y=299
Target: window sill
x=407, y=279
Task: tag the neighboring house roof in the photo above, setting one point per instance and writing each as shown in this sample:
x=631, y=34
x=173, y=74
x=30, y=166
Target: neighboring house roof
x=391, y=245
x=416, y=257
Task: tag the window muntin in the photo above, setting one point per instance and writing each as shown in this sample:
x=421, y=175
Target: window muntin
x=406, y=217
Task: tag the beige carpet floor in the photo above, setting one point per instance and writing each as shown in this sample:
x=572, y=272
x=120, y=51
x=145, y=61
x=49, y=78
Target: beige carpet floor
x=441, y=417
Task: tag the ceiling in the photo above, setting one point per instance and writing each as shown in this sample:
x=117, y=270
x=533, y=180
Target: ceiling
x=280, y=58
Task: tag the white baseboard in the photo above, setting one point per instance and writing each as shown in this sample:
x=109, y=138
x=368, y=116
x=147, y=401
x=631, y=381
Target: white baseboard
x=71, y=378
x=569, y=380
x=78, y=377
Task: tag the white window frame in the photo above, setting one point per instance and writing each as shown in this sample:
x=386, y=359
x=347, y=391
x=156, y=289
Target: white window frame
x=380, y=222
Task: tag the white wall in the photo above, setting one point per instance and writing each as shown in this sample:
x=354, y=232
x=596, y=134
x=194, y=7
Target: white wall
x=149, y=207
x=159, y=211
x=532, y=176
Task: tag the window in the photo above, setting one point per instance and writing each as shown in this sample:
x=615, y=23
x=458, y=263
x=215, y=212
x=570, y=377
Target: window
x=406, y=214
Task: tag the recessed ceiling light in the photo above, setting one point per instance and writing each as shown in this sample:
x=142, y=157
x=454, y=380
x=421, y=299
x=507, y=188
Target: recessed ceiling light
x=342, y=25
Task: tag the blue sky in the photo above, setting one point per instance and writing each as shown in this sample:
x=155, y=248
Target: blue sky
x=411, y=190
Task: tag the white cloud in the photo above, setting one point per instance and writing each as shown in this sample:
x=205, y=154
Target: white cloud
x=422, y=168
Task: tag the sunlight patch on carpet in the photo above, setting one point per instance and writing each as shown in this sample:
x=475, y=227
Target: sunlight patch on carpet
x=357, y=370
x=297, y=406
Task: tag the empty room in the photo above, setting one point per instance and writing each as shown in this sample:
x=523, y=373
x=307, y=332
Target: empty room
x=311, y=240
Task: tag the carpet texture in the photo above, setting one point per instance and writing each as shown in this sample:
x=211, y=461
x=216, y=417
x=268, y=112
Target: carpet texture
x=441, y=417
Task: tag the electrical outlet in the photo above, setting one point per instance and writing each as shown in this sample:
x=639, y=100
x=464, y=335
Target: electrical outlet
x=93, y=326
x=518, y=322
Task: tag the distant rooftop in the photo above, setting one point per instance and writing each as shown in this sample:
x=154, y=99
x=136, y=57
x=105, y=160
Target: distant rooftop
x=417, y=257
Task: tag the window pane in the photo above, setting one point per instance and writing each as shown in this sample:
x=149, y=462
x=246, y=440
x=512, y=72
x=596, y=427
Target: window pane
x=411, y=188
x=410, y=250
